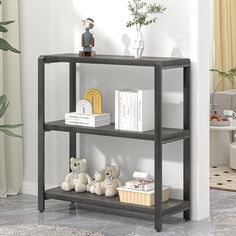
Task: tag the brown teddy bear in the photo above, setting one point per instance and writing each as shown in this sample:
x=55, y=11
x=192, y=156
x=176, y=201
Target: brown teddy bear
x=98, y=178
x=111, y=182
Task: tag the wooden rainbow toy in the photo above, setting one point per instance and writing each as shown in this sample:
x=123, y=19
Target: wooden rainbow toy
x=94, y=96
x=84, y=107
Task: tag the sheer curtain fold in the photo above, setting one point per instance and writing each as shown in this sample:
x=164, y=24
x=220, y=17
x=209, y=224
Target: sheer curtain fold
x=225, y=40
x=11, y=153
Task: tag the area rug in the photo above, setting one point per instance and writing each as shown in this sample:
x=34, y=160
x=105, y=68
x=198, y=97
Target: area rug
x=42, y=230
x=223, y=177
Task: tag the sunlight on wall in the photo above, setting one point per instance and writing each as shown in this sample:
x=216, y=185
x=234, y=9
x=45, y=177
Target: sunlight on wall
x=77, y=40
x=110, y=29
x=194, y=30
x=110, y=26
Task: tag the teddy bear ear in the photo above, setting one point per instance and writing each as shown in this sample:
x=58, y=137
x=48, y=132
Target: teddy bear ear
x=72, y=159
x=84, y=160
x=117, y=168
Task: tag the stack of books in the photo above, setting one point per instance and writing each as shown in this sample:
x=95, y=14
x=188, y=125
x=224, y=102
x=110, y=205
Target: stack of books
x=143, y=182
x=88, y=120
x=134, y=109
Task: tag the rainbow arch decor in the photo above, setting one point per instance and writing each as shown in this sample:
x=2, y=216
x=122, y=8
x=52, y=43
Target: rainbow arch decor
x=94, y=96
x=84, y=107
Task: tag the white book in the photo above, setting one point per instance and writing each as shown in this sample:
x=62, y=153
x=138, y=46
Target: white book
x=128, y=107
x=124, y=110
x=145, y=110
x=142, y=175
x=117, y=109
x=87, y=117
x=87, y=123
x=134, y=111
x=120, y=110
x=139, y=185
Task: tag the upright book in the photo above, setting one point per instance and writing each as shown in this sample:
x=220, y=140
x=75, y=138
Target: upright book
x=134, y=109
x=145, y=110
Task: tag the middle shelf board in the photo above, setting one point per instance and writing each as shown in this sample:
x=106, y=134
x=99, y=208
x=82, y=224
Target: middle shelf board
x=102, y=203
x=168, y=134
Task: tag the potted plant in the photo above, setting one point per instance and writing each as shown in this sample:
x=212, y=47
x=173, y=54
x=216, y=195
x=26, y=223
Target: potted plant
x=230, y=74
x=5, y=46
x=142, y=14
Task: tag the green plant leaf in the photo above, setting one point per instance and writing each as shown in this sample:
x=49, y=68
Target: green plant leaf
x=3, y=105
x=232, y=71
x=230, y=74
x=3, y=29
x=3, y=110
x=6, y=22
x=4, y=45
x=10, y=126
x=222, y=73
x=9, y=133
x=3, y=99
x=143, y=13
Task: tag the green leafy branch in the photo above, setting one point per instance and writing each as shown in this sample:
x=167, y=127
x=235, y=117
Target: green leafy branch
x=230, y=74
x=143, y=13
x=4, y=45
x=5, y=128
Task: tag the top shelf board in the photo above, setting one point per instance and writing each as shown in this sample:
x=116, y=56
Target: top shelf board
x=118, y=60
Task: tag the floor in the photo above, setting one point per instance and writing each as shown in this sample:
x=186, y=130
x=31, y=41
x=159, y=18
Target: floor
x=223, y=177
x=23, y=209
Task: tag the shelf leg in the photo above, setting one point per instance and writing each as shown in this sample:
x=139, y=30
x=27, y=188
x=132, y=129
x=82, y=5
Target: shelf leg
x=158, y=147
x=187, y=157
x=41, y=134
x=72, y=106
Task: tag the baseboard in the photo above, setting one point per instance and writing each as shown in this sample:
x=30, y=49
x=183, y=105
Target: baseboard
x=31, y=188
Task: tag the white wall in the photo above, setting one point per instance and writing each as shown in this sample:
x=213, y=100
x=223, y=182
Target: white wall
x=55, y=27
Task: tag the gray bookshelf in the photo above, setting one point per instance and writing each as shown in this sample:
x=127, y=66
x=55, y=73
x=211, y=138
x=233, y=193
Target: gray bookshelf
x=160, y=135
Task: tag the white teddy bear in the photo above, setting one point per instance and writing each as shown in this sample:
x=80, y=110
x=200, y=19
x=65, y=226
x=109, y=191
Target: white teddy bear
x=97, y=180
x=111, y=183
x=78, y=179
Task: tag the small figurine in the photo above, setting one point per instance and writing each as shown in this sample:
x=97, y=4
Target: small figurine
x=94, y=96
x=87, y=39
x=84, y=107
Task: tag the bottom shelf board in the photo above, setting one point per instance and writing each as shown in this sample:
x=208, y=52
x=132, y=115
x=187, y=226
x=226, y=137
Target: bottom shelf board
x=113, y=205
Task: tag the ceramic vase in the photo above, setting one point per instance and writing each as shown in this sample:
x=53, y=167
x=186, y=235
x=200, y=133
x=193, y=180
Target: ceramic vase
x=138, y=44
x=214, y=109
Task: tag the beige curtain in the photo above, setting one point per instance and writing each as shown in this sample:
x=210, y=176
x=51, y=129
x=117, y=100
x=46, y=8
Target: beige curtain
x=225, y=39
x=11, y=149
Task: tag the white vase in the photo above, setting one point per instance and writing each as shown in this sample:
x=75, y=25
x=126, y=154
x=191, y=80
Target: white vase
x=138, y=45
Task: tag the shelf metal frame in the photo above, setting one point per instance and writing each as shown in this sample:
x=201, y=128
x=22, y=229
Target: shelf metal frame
x=159, y=64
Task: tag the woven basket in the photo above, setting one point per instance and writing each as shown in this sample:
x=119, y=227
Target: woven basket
x=145, y=198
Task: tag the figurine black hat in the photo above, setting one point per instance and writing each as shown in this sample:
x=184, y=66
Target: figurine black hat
x=90, y=20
